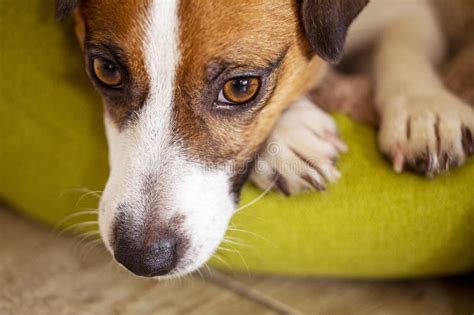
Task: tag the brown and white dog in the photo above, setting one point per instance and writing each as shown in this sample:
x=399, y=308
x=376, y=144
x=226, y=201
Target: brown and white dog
x=194, y=90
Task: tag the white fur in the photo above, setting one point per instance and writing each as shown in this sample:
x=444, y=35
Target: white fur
x=201, y=196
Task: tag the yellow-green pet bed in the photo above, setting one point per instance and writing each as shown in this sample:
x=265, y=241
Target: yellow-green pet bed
x=372, y=223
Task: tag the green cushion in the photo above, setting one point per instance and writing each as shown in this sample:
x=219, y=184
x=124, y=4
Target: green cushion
x=372, y=223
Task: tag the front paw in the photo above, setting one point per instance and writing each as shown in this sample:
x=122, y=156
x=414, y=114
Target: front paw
x=301, y=152
x=427, y=133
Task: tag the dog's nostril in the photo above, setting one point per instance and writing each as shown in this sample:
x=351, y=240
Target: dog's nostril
x=162, y=256
x=149, y=261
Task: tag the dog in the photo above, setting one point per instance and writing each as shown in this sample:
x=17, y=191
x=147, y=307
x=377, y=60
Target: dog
x=197, y=94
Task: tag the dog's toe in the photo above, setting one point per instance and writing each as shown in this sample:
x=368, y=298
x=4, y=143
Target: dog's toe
x=301, y=153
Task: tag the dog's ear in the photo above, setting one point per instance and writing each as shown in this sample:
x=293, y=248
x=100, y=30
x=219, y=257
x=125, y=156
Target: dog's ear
x=326, y=22
x=64, y=8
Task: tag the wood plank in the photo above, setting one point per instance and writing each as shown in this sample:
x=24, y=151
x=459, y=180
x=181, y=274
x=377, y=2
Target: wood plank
x=328, y=296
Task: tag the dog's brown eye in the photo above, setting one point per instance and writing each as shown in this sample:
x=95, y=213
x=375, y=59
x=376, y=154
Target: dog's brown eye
x=239, y=90
x=107, y=72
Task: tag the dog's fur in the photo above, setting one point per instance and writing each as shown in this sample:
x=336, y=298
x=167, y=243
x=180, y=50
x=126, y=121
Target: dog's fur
x=179, y=156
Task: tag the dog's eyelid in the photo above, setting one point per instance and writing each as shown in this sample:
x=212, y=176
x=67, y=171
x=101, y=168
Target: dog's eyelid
x=235, y=70
x=108, y=51
x=217, y=67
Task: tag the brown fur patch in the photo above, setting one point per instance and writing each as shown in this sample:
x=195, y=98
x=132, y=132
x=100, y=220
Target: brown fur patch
x=245, y=35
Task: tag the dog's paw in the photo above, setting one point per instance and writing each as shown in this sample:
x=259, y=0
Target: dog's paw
x=301, y=152
x=427, y=133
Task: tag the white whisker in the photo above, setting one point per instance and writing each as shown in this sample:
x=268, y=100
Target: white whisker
x=90, y=246
x=86, y=237
x=218, y=257
x=83, y=190
x=241, y=257
x=96, y=193
x=248, y=232
x=74, y=215
x=220, y=248
x=226, y=241
x=209, y=271
x=200, y=273
x=258, y=198
x=77, y=226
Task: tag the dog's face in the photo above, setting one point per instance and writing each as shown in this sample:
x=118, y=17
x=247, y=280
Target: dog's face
x=191, y=91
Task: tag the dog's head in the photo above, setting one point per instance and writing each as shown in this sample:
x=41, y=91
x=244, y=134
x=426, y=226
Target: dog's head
x=191, y=91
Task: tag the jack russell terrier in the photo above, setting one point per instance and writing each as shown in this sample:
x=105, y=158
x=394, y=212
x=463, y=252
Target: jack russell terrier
x=194, y=90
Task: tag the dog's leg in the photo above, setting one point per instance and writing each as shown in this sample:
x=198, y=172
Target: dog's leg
x=301, y=152
x=423, y=126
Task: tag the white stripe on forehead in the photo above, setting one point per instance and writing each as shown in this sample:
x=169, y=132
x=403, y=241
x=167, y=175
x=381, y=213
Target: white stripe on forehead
x=161, y=59
x=179, y=187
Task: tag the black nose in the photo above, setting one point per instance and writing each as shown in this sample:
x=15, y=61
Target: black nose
x=157, y=259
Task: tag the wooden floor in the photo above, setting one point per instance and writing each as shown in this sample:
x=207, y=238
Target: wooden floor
x=42, y=272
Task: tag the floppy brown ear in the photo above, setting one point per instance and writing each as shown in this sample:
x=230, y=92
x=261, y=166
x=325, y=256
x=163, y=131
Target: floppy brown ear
x=326, y=23
x=64, y=8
